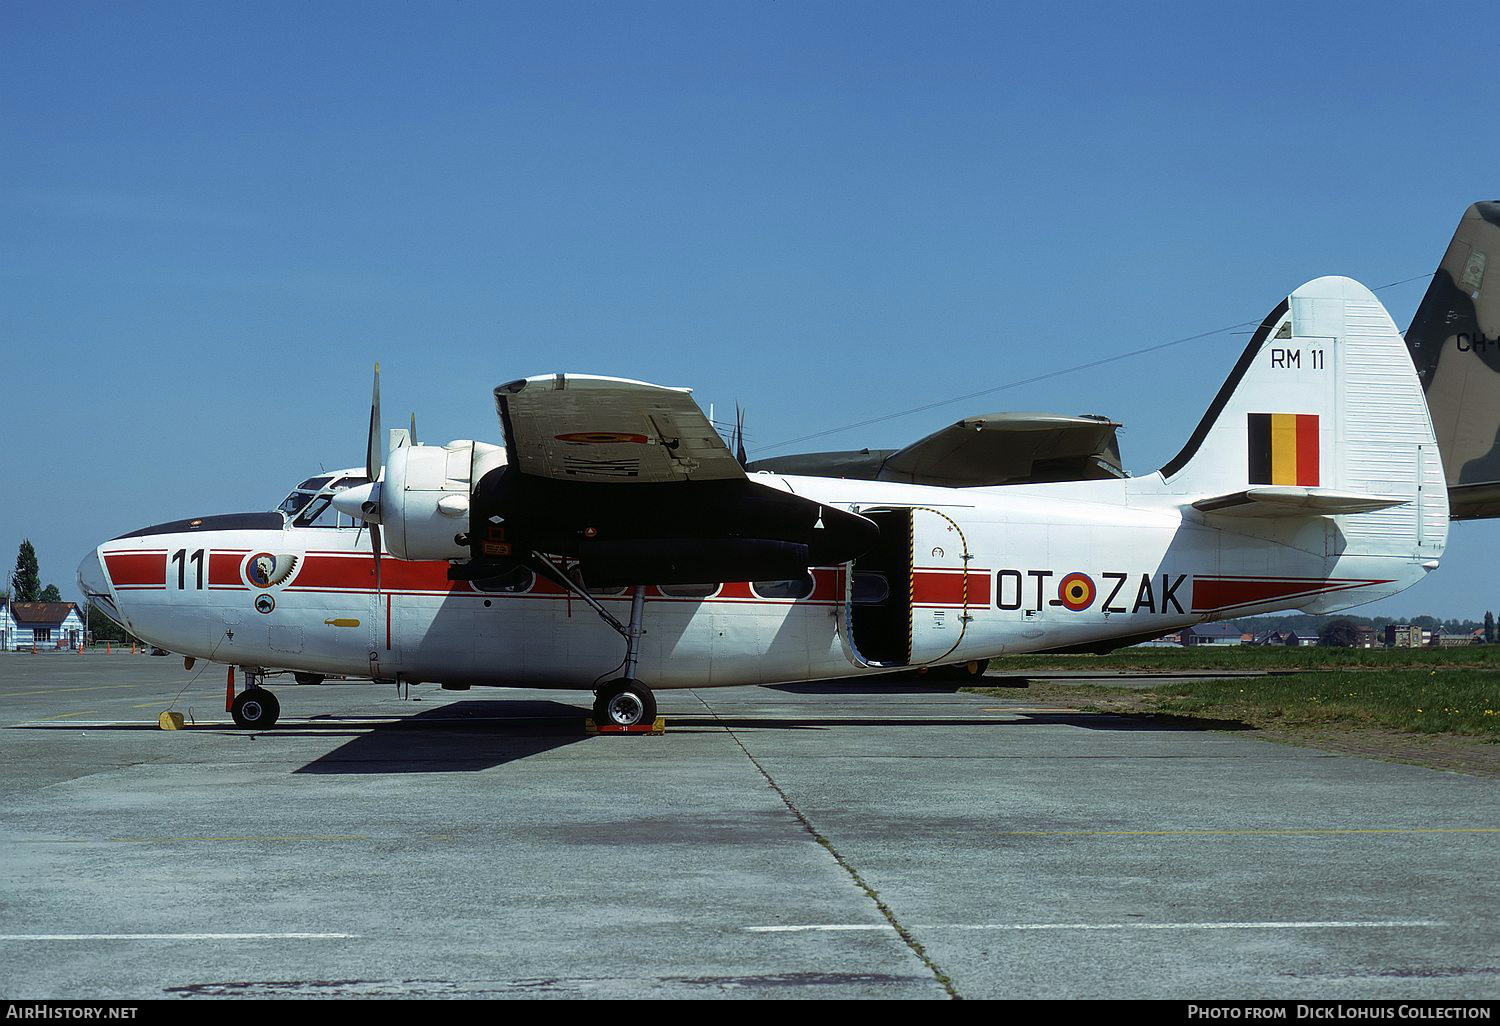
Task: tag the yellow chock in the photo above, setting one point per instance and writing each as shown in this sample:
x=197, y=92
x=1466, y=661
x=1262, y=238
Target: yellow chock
x=171, y=721
x=655, y=728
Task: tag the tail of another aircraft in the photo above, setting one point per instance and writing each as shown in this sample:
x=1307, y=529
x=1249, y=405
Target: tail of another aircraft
x=1455, y=343
x=1322, y=415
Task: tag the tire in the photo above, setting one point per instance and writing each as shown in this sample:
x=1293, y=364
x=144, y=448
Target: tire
x=308, y=678
x=624, y=703
x=256, y=709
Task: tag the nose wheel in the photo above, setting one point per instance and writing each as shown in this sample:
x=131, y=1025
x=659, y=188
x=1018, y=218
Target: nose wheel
x=255, y=708
x=624, y=703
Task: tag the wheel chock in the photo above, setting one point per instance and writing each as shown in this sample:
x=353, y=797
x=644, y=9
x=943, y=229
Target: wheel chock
x=658, y=726
x=171, y=721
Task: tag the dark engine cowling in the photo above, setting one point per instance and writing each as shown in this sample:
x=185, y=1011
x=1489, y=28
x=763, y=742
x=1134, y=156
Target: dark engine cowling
x=678, y=533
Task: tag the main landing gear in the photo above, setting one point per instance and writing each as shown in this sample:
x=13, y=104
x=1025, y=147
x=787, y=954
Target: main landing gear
x=624, y=701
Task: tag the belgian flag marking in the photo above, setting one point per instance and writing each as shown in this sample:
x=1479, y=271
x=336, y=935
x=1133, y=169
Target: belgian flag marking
x=1284, y=449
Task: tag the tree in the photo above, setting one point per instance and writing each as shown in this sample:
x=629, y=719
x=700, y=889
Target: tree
x=1489, y=628
x=50, y=594
x=26, y=580
x=1339, y=634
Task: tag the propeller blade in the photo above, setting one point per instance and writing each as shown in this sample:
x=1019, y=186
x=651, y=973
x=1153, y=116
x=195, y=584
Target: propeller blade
x=414, y=428
x=739, y=435
x=374, y=454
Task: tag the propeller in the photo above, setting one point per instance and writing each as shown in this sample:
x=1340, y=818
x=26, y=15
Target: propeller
x=738, y=437
x=363, y=503
x=374, y=467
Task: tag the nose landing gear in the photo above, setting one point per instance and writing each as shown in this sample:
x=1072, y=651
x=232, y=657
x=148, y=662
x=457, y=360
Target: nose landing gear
x=255, y=707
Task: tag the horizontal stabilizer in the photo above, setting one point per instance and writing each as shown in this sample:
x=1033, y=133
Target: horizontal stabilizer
x=993, y=449
x=1289, y=501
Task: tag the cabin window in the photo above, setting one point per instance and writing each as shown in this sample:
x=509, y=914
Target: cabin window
x=796, y=588
x=688, y=590
x=576, y=575
x=514, y=581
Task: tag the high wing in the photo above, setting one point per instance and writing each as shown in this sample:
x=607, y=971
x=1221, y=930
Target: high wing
x=631, y=480
x=993, y=449
x=584, y=427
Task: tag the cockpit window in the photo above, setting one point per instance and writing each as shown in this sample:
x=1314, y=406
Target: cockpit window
x=319, y=513
x=310, y=504
x=293, y=504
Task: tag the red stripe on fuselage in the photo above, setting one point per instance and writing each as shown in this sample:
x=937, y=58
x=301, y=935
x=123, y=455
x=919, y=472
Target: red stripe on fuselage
x=224, y=568
x=948, y=588
x=1210, y=593
x=357, y=573
x=137, y=569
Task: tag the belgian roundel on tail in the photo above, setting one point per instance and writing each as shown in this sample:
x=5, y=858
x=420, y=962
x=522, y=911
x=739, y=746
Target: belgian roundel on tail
x=1283, y=449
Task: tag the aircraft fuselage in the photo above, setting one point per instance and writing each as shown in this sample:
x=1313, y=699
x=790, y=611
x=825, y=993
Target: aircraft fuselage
x=970, y=574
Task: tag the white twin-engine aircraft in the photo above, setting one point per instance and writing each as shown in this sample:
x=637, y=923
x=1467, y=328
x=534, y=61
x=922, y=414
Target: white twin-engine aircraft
x=615, y=544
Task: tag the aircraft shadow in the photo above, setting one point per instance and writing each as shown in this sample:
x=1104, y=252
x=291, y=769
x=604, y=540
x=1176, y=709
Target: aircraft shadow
x=1084, y=720
x=464, y=737
x=906, y=685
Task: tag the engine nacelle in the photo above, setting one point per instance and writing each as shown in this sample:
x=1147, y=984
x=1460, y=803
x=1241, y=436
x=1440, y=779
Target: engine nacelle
x=425, y=496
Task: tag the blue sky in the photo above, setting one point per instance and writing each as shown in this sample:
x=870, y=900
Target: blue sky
x=215, y=217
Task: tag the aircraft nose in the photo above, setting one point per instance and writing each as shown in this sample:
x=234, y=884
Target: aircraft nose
x=91, y=578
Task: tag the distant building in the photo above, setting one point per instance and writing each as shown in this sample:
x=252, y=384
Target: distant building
x=1403, y=636
x=1369, y=637
x=1276, y=638
x=43, y=625
x=1212, y=634
x=1442, y=639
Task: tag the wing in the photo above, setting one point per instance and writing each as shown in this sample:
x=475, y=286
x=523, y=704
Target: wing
x=631, y=480
x=583, y=427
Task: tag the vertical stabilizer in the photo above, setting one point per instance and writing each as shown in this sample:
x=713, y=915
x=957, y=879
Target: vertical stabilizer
x=1325, y=410
x=1454, y=341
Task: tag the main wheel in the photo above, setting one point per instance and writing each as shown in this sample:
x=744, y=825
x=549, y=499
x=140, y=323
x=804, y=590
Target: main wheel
x=624, y=703
x=256, y=708
x=308, y=678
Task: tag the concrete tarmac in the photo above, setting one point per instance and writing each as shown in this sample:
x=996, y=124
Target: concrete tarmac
x=875, y=839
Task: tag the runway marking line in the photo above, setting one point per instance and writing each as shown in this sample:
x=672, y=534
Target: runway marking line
x=202, y=840
x=63, y=716
x=1033, y=711
x=54, y=691
x=1290, y=832
x=173, y=936
x=1305, y=925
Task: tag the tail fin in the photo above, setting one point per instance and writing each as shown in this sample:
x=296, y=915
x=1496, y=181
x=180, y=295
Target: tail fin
x=1324, y=405
x=1455, y=343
